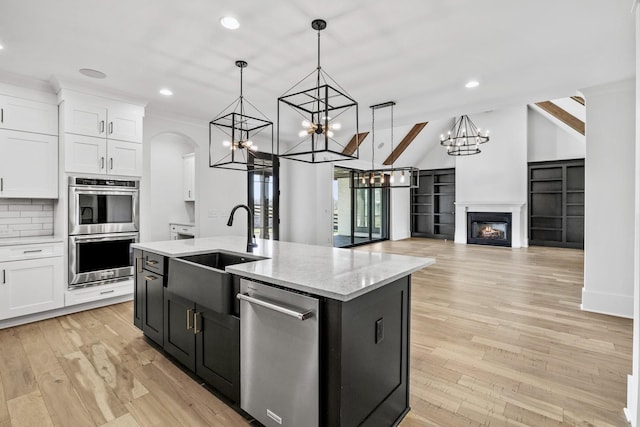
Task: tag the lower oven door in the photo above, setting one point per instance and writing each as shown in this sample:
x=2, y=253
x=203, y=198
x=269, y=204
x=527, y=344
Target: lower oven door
x=100, y=258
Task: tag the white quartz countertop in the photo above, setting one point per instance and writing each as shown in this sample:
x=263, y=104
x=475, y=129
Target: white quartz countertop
x=341, y=274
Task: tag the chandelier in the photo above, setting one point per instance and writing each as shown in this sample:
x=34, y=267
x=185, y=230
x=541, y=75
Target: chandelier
x=319, y=112
x=240, y=132
x=464, y=138
x=393, y=177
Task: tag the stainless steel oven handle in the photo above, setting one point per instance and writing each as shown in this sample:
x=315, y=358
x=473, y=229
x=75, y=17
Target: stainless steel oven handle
x=300, y=315
x=110, y=237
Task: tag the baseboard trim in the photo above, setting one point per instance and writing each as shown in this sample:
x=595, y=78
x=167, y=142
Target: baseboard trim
x=632, y=401
x=605, y=303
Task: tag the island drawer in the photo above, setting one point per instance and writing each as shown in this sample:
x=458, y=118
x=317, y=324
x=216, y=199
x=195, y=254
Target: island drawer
x=153, y=262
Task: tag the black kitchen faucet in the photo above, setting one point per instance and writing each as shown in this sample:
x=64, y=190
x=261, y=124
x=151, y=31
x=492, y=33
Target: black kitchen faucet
x=250, y=237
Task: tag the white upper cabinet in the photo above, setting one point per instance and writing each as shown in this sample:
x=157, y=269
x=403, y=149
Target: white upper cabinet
x=124, y=123
x=189, y=177
x=28, y=116
x=86, y=154
x=101, y=135
x=84, y=118
x=101, y=117
x=124, y=158
x=28, y=165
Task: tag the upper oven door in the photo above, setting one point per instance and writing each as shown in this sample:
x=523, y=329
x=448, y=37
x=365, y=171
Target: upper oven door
x=98, y=210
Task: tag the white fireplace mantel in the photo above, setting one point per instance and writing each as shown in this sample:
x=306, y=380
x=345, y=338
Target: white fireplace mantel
x=517, y=220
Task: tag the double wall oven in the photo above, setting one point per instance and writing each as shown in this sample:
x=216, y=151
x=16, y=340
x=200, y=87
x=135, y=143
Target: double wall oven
x=103, y=223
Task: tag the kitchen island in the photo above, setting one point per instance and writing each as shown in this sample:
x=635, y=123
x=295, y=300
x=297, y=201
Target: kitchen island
x=350, y=366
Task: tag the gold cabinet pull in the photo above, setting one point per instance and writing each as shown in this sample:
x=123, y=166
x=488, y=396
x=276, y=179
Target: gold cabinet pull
x=189, y=325
x=196, y=315
x=150, y=278
x=138, y=264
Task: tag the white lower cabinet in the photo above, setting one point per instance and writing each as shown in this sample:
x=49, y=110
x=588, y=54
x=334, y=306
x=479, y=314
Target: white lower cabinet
x=31, y=285
x=97, y=293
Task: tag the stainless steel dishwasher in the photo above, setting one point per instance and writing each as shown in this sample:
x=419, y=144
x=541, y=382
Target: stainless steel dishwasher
x=279, y=354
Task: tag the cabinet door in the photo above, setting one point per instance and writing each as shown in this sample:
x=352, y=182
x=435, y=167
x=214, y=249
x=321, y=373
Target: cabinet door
x=179, y=340
x=84, y=154
x=189, y=177
x=28, y=165
x=218, y=351
x=29, y=116
x=124, y=123
x=85, y=118
x=30, y=286
x=138, y=296
x=153, y=306
x=124, y=158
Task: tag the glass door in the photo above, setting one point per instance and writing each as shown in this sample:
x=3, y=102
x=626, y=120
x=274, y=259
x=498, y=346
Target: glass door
x=360, y=215
x=264, y=198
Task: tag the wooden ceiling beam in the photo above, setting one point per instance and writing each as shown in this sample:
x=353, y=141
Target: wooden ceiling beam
x=578, y=99
x=354, y=143
x=408, y=139
x=562, y=115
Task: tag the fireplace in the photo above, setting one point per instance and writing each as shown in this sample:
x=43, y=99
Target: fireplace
x=489, y=228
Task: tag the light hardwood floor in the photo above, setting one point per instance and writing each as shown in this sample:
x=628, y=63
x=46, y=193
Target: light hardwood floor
x=498, y=338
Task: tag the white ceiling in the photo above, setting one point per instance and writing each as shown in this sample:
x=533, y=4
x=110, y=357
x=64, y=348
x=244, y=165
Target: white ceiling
x=419, y=53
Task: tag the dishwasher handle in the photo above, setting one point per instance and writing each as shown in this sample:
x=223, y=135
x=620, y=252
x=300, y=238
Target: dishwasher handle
x=300, y=315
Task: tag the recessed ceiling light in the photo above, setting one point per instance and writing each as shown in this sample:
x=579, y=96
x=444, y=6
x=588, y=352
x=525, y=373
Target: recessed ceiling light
x=166, y=92
x=229, y=22
x=1, y=47
x=94, y=74
x=472, y=83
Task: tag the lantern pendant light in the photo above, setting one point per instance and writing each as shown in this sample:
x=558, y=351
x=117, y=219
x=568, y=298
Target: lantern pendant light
x=241, y=130
x=385, y=177
x=324, y=118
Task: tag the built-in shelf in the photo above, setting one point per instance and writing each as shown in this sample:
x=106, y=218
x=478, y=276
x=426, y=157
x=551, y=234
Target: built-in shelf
x=436, y=191
x=556, y=203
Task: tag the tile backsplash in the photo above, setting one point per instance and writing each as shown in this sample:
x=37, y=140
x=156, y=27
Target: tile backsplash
x=26, y=217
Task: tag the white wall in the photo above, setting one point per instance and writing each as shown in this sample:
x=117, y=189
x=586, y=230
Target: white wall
x=166, y=199
x=306, y=202
x=609, y=199
x=633, y=388
x=400, y=214
x=217, y=190
x=499, y=173
x=549, y=141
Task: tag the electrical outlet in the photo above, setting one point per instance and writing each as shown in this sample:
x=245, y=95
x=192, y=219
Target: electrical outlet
x=379, y=330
